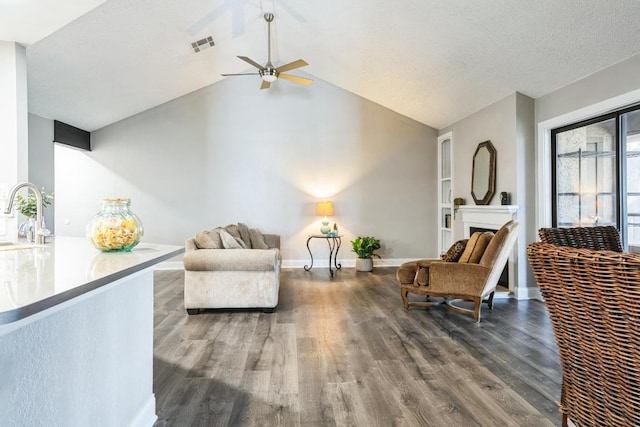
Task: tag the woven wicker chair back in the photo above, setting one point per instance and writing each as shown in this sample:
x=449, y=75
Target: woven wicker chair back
x=600, y=238
x=593, y=299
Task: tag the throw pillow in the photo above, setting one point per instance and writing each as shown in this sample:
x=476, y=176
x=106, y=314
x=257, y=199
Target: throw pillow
x=232, y=229
x=475, y=247
x=455, y=251
x=257, y=239
x=228, y=241
x=208, y=239
x=244, y=234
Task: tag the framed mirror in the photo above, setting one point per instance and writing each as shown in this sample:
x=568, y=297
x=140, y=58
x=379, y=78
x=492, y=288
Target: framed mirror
x=483, y=174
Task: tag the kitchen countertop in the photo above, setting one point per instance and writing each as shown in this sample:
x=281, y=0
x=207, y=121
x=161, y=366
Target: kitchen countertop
x=39, y=277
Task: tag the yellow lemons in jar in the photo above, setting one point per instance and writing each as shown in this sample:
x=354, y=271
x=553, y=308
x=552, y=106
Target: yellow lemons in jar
x=115, y=228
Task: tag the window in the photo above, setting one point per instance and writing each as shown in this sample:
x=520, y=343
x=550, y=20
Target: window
x=596, y=174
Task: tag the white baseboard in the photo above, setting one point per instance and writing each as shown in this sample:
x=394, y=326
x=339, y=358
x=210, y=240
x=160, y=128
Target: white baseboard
x=298, y=263
x=348, y=263
x=146, y=416
x=523, y=293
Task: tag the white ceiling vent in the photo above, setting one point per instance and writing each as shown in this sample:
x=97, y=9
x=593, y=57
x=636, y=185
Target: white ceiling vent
x=202, y=44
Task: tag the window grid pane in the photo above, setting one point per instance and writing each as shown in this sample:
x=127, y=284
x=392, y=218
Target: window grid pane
x=586, y=171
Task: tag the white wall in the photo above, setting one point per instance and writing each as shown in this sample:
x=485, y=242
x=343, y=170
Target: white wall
x=13, y=128
x=231, y=152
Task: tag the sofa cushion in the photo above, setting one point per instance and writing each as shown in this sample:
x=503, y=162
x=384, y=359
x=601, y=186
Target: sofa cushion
x=455, y=251
x=208, y=239
x=228, y=241
x=232, y=229
x=490, y=255
x=257, y=239
x=475, y=248
x=244, y=234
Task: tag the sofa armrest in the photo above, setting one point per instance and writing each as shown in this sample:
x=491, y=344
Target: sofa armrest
x=460, y=279
x=231, y=260
x=190, y=245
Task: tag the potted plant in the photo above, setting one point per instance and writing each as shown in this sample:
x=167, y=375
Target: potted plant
x=365, y=248
x=27, y=206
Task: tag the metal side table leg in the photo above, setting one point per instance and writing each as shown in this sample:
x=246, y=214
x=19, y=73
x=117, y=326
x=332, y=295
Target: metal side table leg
x=308, y=267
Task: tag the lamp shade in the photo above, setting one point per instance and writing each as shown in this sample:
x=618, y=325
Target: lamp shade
x=324, y=209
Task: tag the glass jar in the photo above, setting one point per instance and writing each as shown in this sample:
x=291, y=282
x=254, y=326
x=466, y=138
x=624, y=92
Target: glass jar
x=115, y=228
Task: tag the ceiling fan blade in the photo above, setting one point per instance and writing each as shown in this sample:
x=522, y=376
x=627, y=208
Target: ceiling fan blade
x=292, y=65
x=241, y=74
x=265, y=85
x=296, y=79
x=252, y=62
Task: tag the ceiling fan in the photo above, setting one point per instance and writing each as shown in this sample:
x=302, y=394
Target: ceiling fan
x=268, y=72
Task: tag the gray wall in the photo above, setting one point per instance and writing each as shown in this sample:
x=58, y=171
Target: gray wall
x=612, y=88
x=509, y=125
x=41, y=164
x=231, y=152
x=611, y=82
x=496, y=123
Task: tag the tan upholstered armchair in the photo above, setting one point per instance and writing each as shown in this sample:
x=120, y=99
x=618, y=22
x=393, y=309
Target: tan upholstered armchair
x=473, y=277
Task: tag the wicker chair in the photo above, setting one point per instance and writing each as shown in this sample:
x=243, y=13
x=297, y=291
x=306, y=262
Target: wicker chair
x=600, y=238
x=593, y=301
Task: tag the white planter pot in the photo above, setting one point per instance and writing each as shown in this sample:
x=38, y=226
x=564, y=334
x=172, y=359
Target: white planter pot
x=364, y=264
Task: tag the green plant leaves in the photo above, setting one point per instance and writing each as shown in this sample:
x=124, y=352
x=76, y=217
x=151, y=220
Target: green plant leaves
x=365, y=247
x=27, y=206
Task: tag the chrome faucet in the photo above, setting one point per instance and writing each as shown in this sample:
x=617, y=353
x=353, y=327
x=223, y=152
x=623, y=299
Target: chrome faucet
x=12, y=194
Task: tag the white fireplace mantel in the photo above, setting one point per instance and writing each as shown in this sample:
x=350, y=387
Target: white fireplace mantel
x=493, y=217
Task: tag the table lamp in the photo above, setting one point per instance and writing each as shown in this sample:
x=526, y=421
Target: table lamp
x=324, y=209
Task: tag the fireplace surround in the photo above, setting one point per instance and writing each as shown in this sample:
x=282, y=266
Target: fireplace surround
x=490, y=217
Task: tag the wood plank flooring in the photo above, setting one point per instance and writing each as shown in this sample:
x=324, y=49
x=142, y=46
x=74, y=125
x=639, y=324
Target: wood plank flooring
x=343, y=351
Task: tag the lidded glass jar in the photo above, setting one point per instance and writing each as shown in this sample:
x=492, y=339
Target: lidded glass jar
x=115, y=228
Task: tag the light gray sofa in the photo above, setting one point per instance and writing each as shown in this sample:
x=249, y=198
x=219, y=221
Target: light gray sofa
x=232, y=278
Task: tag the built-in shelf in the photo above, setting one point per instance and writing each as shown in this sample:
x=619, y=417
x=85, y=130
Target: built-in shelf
x=445, y=192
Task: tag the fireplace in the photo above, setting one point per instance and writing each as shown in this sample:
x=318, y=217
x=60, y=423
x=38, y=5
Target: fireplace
x=504, y=277
x=491, y=218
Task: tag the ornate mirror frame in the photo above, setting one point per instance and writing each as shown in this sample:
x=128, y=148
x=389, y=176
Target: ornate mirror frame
x=483, y=174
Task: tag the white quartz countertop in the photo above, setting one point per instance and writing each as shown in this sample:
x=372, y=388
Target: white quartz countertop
x=37, y=278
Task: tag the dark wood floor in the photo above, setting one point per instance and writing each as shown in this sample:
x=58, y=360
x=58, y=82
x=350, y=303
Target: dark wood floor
x=344, y=352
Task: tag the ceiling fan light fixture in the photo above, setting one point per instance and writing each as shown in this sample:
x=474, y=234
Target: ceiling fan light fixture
x=269, y=75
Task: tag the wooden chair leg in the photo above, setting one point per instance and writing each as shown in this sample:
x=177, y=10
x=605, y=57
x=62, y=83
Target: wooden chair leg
x=478, y=305
x=565, y=421
x=403, y=294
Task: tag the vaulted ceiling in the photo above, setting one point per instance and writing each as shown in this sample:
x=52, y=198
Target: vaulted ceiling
x=92, y=62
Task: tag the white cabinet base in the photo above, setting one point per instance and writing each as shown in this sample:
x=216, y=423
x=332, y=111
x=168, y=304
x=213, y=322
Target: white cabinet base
x=85, y=362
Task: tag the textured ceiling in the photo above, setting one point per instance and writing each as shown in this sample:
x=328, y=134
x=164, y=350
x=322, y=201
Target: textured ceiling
x=27, y=21
x=435, y=61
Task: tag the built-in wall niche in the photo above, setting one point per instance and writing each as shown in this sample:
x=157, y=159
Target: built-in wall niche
x=445, y=192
